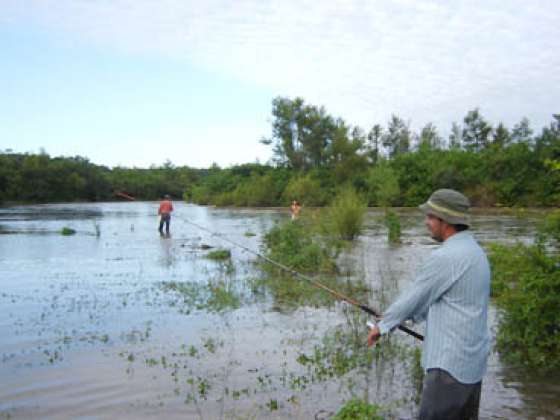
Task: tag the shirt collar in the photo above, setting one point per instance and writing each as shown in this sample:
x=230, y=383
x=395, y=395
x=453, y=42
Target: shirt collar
x=457, y=236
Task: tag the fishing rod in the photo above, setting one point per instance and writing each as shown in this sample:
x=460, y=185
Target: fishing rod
x=314, y=282
x=124, y=195
x=299, y=275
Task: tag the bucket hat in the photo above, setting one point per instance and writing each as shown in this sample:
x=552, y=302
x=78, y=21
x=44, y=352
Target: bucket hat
x=449, y=205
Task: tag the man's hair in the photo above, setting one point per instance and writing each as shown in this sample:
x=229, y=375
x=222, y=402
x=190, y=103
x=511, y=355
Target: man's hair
x=460, y=228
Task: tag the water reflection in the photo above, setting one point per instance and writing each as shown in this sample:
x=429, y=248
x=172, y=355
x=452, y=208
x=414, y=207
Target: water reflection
x=167, y=255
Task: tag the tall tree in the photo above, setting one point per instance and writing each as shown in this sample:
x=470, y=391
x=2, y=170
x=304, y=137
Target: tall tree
x=455, y=137
x=501, y=137
x=345, y=160
x=476, y=131
x=397, y=137
x=522, y=132
x=301, y=133
x=374, y=139
x=429, y=138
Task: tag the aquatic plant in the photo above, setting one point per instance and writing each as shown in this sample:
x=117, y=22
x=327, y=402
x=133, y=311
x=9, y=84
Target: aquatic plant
x=219, y=254
x=216, y=296
x=346, y=214
x=289, y=292
x=272, y=405
x=66, y=231
x=294, y=245
x=393, y=225
x=356, y=409
x=526, y=287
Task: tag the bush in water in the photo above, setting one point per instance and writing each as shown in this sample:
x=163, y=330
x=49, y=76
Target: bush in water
x=346, y=214
x=293, y=245
x=66, y=231
x=526, y=286
x=356, y=409
x=393, y=227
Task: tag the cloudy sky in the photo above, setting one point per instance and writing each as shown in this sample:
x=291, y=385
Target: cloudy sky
x=136, y=82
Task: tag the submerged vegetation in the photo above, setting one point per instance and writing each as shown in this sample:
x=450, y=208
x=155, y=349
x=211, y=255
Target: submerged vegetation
x=312, y=243
x=297, y=246
x=214, y=296
x=346, y=214
x=526, y=287
x=393, y=225
x=219, y=254
x=66, y=231
x=356, y=409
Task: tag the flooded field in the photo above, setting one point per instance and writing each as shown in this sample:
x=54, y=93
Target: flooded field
x=116, y=321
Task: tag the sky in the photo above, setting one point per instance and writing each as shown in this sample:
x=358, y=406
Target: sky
x=140, y=82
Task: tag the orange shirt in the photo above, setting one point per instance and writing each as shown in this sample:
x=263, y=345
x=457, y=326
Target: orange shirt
x=165, y=207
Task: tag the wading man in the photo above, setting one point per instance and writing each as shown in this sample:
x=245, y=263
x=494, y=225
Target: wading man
x=450, y=293
x=295, y=209
x=164, y=211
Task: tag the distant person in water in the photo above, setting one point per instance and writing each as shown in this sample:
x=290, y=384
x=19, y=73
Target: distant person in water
x=165, y=209
x=295, y=209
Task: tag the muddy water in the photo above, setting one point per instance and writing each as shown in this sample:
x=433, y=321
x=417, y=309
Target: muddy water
x=118, y=322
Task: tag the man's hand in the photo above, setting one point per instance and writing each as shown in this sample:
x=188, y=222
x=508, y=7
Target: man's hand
x=373, y=336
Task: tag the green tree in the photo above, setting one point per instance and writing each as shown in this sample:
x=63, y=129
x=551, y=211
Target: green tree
x=522, y=132
x=306, y=189
x=547, y=148
x=383, y=185
x=455, y=137
x=374, y=142
x=429, y=137
x=476, y=131
x=397, y=137
x=301, y=133
x=345, y=159
x=500, y=137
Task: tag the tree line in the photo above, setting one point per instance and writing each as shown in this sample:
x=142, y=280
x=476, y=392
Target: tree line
x=39, y=178
x=314, y=155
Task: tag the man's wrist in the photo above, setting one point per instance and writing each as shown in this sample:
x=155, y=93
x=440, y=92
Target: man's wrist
x=383, y=329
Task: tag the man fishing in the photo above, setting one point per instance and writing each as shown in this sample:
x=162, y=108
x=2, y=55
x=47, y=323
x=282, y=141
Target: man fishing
x=164, y=211
x=450, y=293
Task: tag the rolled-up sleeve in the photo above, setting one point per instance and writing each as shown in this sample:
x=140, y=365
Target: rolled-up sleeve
x=432, y=280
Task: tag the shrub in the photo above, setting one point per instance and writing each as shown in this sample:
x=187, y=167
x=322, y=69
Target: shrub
x=393, y=225
x=356, y=409
x=66, y=231
x=346, y=214
x=526, y=286
x=383, y=185
x=292, y=244
x=306, y=190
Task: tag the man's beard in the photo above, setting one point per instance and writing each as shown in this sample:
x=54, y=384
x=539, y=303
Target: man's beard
x=436, y=237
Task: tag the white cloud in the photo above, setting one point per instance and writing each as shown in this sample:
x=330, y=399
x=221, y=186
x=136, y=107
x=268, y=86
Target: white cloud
x=424, y=60
x=226, y=144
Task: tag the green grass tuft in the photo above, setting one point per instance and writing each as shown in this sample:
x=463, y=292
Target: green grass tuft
x=66, y=231
x=219, y=254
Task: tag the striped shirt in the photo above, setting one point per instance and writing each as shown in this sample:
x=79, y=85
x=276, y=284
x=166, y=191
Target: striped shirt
x=450, y=293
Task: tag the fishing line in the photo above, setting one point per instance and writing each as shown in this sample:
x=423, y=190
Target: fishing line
x=296, y=274
x=299, y=275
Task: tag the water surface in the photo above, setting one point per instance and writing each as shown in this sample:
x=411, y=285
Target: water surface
x=117, y=321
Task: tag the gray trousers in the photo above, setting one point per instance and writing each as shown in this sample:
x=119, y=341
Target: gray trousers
x=165, y=219
x=445, y=398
